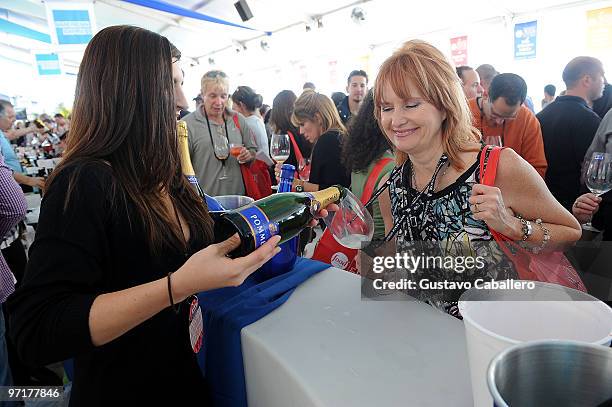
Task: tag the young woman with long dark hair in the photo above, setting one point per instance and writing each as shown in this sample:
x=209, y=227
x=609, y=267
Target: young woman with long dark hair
x=123, y=240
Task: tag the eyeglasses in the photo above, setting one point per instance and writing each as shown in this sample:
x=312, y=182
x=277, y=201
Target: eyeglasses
x=215, y=74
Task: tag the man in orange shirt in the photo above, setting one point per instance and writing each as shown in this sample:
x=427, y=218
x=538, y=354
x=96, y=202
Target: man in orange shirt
x=503, y=120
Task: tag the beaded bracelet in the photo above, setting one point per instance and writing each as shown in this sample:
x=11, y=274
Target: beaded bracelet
x=546, y=238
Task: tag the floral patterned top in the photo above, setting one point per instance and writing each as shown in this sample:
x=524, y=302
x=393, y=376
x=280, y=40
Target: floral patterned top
x=441, y=223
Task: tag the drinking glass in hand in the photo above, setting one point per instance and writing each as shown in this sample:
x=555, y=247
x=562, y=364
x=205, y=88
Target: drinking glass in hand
x=222, y=152
x=235, y=150
x=304, y=169
x=280, y=146
x=598, y=177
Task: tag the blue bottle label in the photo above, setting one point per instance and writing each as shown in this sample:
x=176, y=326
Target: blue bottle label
x=259, y=223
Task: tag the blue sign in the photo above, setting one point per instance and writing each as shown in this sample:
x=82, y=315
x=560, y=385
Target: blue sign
x=48, y=64
x=72, y=26
x=525, y=36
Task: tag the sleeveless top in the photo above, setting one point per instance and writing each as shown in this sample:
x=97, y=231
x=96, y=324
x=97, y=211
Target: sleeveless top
x=442, y=224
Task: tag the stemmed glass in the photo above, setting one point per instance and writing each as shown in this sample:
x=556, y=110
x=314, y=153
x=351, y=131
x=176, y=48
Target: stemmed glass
x=280, y=147
x=493, y=141
x=222, y=152
x=598, y=178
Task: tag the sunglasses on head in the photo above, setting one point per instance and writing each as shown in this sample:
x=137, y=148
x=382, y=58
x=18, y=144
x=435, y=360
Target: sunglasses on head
x=215, y=74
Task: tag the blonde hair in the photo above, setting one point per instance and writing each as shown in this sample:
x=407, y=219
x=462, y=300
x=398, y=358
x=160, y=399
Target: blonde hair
x=315, y=106
x=212, y=78
x=423, y=66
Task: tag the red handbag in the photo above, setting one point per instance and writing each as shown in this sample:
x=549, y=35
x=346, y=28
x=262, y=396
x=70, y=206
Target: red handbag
x=328, y=250
x=304, y=173
x=255, y=175
x=547, y=266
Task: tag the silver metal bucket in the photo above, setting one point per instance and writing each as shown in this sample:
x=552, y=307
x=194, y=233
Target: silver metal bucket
x=552, y=373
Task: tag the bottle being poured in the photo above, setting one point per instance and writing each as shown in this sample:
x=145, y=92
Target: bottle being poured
x=187, y=167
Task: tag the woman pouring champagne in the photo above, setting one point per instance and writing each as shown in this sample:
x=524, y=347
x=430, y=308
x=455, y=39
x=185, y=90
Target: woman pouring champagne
x=123, y=239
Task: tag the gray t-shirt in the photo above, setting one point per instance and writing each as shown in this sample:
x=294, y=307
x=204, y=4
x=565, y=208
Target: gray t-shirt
x=207, y=167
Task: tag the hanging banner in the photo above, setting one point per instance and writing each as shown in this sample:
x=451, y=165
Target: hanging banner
x=599, y=29
x=70, y=23
x=525, y=36
x=183, y=12
x=459, y=50
x=48, y=64
x=23, y=31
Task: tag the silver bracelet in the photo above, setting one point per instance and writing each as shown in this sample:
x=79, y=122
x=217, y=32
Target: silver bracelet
x=545, y=239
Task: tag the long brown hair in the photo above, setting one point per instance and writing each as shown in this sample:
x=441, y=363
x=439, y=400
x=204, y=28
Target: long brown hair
x=425, y=67
x=124, y=115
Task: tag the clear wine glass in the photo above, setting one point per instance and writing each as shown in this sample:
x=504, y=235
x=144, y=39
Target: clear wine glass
x=598, y=178
x=493, y=141
x=280, y=147
x=222, y=152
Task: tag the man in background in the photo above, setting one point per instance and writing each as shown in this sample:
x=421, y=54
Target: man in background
x=549, y=95
x=503, y=120
x=470, y=81
x=569, y=125
x=357, y=87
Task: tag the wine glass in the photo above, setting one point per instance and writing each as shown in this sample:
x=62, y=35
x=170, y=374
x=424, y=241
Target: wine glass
x=222, y=152
x=493, y=141
x=280, y=146
x=235, y=150
x=304, y=169
x=598, y=178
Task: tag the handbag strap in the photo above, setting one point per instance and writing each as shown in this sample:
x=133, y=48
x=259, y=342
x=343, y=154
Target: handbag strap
x=489, y=159
x=296, y=149
x=371, y=181
x=488, y=165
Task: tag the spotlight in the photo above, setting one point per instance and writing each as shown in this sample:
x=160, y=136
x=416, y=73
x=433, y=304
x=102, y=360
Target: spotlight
x=211, y=61
x=264, y=45
x=308, y=27
x=358, y=15
x=319, y=22
x=239, y=46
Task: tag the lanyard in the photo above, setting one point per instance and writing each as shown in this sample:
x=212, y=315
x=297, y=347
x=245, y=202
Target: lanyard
x=212, y=142
x=429, y=189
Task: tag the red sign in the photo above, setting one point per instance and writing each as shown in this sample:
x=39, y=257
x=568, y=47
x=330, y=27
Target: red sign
x=459, y=50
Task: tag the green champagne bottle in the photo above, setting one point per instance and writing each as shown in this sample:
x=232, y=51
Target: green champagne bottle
x=285, y=214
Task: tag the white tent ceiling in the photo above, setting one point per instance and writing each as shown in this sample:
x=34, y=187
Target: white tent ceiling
x=387, y=20
x=323, y=55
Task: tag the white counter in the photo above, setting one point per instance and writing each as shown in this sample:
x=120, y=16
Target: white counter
x=327, y=347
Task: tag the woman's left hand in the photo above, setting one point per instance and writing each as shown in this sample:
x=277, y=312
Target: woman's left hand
x=487, y=204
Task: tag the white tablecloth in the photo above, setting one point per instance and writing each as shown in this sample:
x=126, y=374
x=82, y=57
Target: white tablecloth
x=327, y=347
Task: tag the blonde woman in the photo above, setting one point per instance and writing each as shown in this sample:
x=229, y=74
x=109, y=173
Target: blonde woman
x=319, y=123
x=212, y=124
x=435, y=193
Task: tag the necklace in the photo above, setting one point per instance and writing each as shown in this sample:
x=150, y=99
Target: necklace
x=434, y=178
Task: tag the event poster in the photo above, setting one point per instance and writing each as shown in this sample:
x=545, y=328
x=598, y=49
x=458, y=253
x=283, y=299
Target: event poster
x=525, y=40
x=599, y=29
x=48, y=64
x=459, y=50
x=70, y=23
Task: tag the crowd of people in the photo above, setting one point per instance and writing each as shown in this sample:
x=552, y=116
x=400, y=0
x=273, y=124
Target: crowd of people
x=123, y=239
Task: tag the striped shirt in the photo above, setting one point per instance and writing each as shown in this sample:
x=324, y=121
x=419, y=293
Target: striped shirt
x=13, y=208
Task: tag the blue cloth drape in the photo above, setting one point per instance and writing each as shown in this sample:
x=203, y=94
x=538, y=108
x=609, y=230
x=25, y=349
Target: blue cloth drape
x=226, y=311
